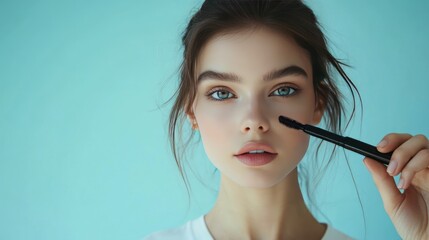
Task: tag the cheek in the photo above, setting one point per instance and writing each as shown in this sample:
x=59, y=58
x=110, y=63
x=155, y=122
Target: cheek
x=300, y=108
x=216, y=126
x=295, y=144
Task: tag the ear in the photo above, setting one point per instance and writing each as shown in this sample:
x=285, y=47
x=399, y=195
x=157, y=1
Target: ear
x=190, y=111
x=319, y=110
x=191, y=115
x=191, y=119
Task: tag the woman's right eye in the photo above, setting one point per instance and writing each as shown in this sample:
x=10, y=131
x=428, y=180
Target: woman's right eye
x=219, y=94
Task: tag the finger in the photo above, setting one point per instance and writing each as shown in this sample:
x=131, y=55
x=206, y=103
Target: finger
x=392, y=141
x=419, y=162
x=420, y=180
x=405, y=152
x=385, y=184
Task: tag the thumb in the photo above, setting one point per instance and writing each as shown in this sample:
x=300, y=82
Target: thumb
x=385, y=183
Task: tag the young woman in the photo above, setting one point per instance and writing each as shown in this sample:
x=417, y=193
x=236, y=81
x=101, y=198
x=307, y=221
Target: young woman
x=245, y=64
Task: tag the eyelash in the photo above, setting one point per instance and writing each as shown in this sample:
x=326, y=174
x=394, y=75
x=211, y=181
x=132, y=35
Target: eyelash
x=221, y=89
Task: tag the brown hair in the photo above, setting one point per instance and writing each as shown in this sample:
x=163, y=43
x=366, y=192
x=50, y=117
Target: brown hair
x=291, y=17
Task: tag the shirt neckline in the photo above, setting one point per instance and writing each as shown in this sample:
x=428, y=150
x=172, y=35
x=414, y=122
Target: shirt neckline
x=205, y=233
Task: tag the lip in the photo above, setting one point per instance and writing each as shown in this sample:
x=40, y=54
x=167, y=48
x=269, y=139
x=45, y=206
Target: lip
x=257, y=159
x=251, y=146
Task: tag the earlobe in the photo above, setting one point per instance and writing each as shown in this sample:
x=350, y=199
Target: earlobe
x=190, y=114
x=192, y=120
x=191, y=117
x=318, y=113
x=317, y=117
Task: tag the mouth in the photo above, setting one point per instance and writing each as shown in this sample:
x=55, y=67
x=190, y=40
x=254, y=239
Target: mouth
x=256, y=148
x=256, y=159
x=256, y=152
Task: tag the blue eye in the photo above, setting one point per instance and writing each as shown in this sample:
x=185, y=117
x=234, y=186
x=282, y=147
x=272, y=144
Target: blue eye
x=221, y=95
x=285, y=91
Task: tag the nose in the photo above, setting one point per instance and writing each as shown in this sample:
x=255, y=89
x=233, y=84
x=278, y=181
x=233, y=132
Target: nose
x=255, y=120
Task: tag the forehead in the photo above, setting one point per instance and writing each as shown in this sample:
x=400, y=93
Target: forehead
x=252, y=51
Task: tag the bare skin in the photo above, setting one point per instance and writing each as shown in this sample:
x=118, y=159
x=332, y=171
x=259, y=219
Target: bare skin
x=298, y=223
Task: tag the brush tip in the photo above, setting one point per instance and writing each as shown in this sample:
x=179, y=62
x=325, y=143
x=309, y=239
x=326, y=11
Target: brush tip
x=290, y=122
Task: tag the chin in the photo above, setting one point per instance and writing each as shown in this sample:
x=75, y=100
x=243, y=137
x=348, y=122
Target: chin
x=259, y=178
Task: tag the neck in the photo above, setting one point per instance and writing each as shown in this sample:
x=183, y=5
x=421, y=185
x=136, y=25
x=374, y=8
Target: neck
x=277, y=212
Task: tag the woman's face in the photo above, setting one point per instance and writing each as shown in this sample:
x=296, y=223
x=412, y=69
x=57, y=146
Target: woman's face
x=244, y=104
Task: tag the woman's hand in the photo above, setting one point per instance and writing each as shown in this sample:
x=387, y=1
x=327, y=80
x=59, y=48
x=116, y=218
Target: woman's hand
x=409, y=210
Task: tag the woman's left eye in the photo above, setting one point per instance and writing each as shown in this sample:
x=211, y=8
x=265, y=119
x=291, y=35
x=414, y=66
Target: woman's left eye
x=284, y=91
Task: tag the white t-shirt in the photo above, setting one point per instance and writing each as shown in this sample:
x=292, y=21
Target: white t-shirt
x=197, y=230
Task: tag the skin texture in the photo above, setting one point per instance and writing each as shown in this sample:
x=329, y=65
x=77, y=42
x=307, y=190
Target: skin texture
x=256, y=202
x=265, y=202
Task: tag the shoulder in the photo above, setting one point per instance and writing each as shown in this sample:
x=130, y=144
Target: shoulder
x=181, y=232
x=333, y=234
x=194, y=229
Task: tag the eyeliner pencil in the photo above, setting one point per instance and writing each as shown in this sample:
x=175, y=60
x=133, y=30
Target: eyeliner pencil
x=345, y=142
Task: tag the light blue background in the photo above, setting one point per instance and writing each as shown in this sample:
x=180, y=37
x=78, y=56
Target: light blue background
x=83, y=144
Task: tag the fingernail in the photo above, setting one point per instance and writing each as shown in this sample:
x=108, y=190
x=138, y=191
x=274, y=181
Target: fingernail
x=366, y=165
x=401, y=184
x=392, y=167
x=382, y=144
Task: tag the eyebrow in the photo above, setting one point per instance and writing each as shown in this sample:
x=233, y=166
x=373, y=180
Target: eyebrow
x=287, y=71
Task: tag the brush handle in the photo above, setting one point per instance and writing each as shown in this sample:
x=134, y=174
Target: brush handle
x=349, y=143
x=367, y=150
